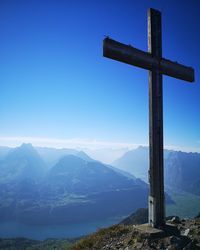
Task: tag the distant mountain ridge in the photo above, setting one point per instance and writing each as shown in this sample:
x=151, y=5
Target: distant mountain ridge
x=52, y=155
x=134, y=161
x=81, y=176
x=182, y=170
x=76, y=188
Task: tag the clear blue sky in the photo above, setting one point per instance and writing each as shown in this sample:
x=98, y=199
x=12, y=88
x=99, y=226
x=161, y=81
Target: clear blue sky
x=55, y=83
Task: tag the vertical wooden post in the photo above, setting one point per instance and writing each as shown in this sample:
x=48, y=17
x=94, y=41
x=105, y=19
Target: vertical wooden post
x=156, y=177
x=157, y=66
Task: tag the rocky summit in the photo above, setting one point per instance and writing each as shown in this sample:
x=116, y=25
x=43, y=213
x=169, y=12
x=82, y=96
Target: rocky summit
x=178, y=235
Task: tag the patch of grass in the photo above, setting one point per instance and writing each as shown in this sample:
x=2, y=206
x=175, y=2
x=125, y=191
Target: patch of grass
x=95, y=240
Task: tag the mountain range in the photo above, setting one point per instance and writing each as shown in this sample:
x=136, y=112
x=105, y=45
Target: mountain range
x=181, y=169
x=57, y=186
x=47, y=186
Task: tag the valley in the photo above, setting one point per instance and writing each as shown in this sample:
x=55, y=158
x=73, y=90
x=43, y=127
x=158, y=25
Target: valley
x=66, y=193
x=75, y=191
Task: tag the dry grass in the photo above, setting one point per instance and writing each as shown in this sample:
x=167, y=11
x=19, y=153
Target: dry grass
x=96, y=240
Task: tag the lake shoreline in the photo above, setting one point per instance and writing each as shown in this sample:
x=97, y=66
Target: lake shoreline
x=11, y=230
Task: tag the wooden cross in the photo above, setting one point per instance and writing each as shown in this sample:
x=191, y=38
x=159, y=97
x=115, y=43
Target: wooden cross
x=157, y=66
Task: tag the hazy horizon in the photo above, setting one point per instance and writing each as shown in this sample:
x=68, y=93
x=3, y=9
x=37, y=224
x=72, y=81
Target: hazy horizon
x=106, y=152
x=57, y=89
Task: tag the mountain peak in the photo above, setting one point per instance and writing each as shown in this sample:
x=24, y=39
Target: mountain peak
x=142, y=148
x=21, y=163
x=68, y=162
x=26, y=149
x=70, y=157
x=84, y=156
x=26, y=146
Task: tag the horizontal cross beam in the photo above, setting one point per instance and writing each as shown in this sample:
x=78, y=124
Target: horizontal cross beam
x=130, y=55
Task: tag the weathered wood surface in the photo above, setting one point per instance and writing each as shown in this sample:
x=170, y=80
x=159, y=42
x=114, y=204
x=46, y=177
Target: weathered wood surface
x=130, y=55
x=156, y=198
x=157, y=66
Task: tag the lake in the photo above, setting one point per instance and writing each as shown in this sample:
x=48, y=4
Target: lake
x=15, y=229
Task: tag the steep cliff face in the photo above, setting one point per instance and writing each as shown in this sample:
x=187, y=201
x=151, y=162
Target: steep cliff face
x=174, y=171
x=182, y=171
